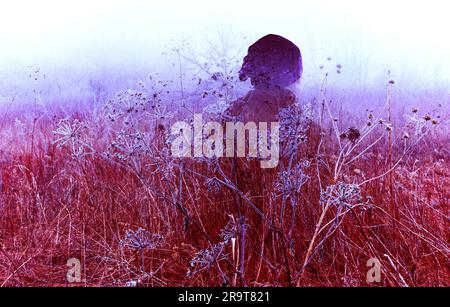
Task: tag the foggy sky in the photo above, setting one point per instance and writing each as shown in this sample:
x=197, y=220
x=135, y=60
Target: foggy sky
x=367, y=37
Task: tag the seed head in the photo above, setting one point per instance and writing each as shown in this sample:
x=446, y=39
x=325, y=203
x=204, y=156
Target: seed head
x=353, y=134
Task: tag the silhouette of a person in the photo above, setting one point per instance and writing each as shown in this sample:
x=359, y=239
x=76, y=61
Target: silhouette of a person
x=272, y=64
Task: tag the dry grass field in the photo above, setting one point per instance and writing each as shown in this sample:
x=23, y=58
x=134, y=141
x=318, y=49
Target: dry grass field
x=98, y=184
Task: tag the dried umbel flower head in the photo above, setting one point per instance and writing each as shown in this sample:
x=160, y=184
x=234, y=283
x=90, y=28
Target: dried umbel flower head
x=217, y=108
x=129, y=145
x=294, y=125
x=216, y=76
x=417, y=123
x=206, y=258
x=126, y=106
x=291, y=181
x=230, y=231
x=353, y=134
x=142, y=239
x=74, y=134
x=341, y=195
x=69, y=130
x=427, y=117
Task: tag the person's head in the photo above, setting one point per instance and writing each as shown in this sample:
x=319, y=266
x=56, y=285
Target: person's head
x=273, y=61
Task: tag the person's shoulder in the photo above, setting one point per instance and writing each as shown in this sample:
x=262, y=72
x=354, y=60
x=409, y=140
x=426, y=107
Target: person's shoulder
x=235, y=109
x=286, y=98
x=270, y=95
x=260, y=95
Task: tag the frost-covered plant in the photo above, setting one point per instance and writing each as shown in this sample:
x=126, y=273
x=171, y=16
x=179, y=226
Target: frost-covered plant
x=206, y=258
x=160, y=113
x=230, y=231
x=75, y=134
x=214, y=72
x=218, y=108
x=128, y=145
x=419, y=123
x=20, y=128
x=341, y=195
x=127, y=106
x=141, y=239
x=352, y=134
x=164, y=163
x=294, y=124
x=152, y=103
x=290, y=181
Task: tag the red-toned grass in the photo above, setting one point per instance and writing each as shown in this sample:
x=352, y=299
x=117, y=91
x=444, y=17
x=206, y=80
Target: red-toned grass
x=54, y=207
